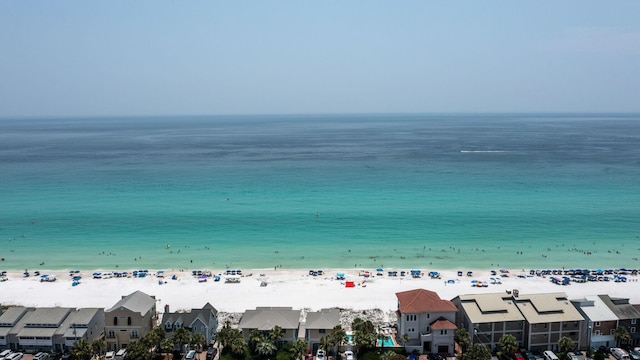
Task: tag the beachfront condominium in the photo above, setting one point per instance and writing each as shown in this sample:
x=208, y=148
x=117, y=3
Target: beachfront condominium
x=489, y=317
x=537, y=321
x=49, y=328
x=628, y=316
x=601, y=321
x=129, y=320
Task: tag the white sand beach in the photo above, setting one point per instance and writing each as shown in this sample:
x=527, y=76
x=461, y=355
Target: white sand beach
x=294, y=288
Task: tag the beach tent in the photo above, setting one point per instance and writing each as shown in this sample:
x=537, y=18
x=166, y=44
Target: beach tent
x=350, y=284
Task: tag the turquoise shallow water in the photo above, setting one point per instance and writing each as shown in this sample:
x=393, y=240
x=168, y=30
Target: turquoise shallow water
x=425, y=191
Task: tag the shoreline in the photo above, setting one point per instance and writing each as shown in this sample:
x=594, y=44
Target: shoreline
x=285, y=288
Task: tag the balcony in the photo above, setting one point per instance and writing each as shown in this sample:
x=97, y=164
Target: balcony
x=426, y=337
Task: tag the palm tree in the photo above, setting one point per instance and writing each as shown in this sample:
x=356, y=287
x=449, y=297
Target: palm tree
x=255, y=336
x=478, y=352
x=155, y=338
x=81, y=350
x=231, y=340
x=266, y=347
x=364, y=333
x=139, y=351
x=621, y=335
x=299, y=349
x=97, y=345
x=198, y=340
x=405, y=339
x=167, y=345
x=565, y=344
x=224, y=336
x=275, y=334
x=462, y=338
x=508, y=344
x=325, y=343
x=238, y=346
x=181, y=337
x=338, y=337
x=387, y=355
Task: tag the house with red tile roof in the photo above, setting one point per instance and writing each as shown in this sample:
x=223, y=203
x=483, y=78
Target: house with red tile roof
x=428, y=320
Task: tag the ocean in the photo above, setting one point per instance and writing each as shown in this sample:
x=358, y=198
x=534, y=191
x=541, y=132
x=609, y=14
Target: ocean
x=434, y=191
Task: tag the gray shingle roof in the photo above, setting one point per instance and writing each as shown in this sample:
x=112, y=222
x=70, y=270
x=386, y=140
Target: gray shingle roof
x=137, y=302
x=621, y=307
x=323, y=319
x=268, y=318
x=186, y=318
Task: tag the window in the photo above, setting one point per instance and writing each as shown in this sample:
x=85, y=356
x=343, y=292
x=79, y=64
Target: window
x=129, y=320
x=322, y=331
x=443, y=332
x=111, y=334
x=633, y=321
x=598, y=323
x=611, y=331
x=412, y=317
x=115, y=321
x=428, y=329
x=411, y=330
x=632, y=330
x=134, y=334
x=597, y=332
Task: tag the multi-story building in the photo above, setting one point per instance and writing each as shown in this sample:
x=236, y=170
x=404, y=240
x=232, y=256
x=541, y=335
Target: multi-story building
x=8, y=320
x=86, y=323
x=428, y=320
x=489, y=317
x=267, y=318
x=203, y=321
x=129, y=319
x=49, y=329
x=601, y=321
x=319, y=324
x=628, y=315
x=549, y=317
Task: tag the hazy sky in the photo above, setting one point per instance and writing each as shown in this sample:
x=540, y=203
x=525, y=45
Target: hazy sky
x=75, y=58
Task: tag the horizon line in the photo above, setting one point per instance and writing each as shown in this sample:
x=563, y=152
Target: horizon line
x=96, y=116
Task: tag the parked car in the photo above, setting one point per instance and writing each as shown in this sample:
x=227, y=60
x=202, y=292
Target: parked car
x=190, y=355
x=528, y=354
x=517, y=356
x=111, y=355
x=14, y=356
x=572, y=356
x=348, y=355
x=211, y=353
x=320, y=354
